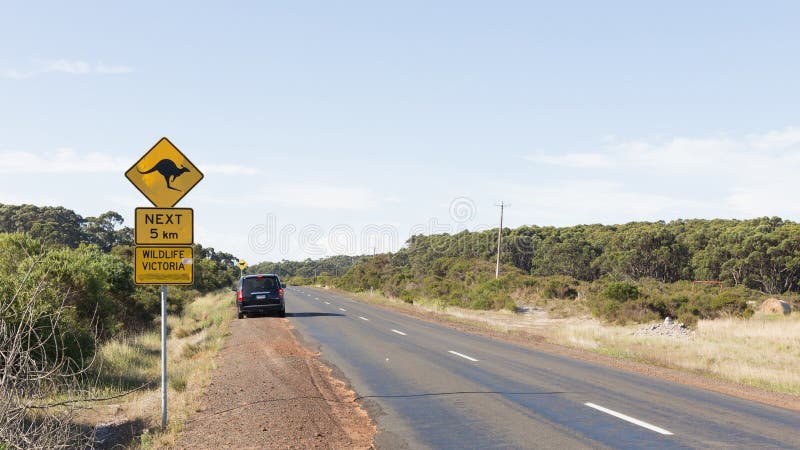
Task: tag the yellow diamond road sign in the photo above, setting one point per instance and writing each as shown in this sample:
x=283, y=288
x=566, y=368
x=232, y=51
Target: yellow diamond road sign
x=163, y=265
x=164, y=174
x=242, y=265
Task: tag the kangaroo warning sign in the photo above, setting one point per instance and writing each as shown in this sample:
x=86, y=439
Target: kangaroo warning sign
x=164, y=174
x=164, y=226
x=163, y=265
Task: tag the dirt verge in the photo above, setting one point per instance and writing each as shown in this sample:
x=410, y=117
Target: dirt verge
x=268, y=391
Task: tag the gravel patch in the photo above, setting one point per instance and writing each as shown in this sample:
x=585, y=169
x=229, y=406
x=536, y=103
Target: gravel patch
x=667, y=328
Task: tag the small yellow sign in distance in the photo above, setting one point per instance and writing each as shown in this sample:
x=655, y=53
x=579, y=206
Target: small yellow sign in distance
x=163, y=265
x=164, y=174
x=164, y=226
x=242, y=265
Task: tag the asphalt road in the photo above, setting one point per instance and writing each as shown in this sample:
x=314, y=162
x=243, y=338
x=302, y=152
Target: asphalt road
x=430, y=386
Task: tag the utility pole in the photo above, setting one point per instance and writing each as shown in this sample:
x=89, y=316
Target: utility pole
x=499, y=239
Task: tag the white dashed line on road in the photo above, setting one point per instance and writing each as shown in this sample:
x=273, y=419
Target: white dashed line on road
x=342, y=309
x=398, y=332
x=327, y=303
x=463, y=356
x=363, y=318
x=629, y=419
x=316, y=298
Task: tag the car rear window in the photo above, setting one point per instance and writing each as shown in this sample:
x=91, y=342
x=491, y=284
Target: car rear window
x=259, y=284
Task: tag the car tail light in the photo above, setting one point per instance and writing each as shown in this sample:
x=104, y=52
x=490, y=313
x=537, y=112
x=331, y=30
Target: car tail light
x=239, y=295
x=280, y=293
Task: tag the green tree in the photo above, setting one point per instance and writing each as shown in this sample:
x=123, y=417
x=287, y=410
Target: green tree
x=50, y=225
x=106, y=232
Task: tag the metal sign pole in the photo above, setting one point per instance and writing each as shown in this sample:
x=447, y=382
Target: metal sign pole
x=163, y=357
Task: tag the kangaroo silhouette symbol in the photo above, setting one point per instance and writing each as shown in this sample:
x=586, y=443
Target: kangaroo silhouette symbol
x=168, y=169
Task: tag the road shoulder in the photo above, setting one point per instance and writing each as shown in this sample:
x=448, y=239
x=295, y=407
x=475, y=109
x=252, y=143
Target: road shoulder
x=269, y=391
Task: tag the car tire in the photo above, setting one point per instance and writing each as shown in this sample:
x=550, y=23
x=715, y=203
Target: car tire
x=241, y=315
x=282, y=313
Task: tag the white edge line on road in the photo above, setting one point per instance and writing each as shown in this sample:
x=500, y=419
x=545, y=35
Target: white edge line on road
x=342, y=309
x=463, y=356
x=327, y=303
x=629, y=419
x=398, y=332
x=363, y=318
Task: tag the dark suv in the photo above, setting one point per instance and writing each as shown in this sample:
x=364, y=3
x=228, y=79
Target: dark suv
x=260, y=294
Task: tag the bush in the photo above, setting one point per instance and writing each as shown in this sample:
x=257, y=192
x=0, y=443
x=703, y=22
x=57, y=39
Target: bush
x=178, y=380
x=483, y=303
x=621, y=292
x=560, y=287
x=622, y=302
x=406, y=297
x=726, y=303
x=653, y=300
x=688, y=319
x=42, y=360
x=299, y=281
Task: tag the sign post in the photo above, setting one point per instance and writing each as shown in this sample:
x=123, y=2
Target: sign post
x=163, y=357
x=164, y=235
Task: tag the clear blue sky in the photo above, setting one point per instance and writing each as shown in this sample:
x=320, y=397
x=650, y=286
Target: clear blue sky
x=351, y=114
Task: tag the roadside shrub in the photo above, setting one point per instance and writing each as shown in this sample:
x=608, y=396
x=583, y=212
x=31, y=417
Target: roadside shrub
x=178, y=380
x=406, y=297
x=483, y=303
x=689, y=320
x=190, y=350
x=726, y=303
x=621, y=292
x=299, y=281
x=42, y=360
x=621, y=302
x=561, y=288
x=610, y=309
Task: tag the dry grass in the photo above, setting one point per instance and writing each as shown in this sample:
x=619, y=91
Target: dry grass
x=129, y=362
x=763, y=351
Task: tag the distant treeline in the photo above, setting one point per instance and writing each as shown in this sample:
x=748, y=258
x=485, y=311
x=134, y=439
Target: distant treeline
x=761, y=254
x=331, y=266
x=637, y=271
x=54, y=257
x=61, y=226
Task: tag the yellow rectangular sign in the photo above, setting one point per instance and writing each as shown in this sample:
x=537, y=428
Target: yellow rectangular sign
x=163, y=265
x=164, y=226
